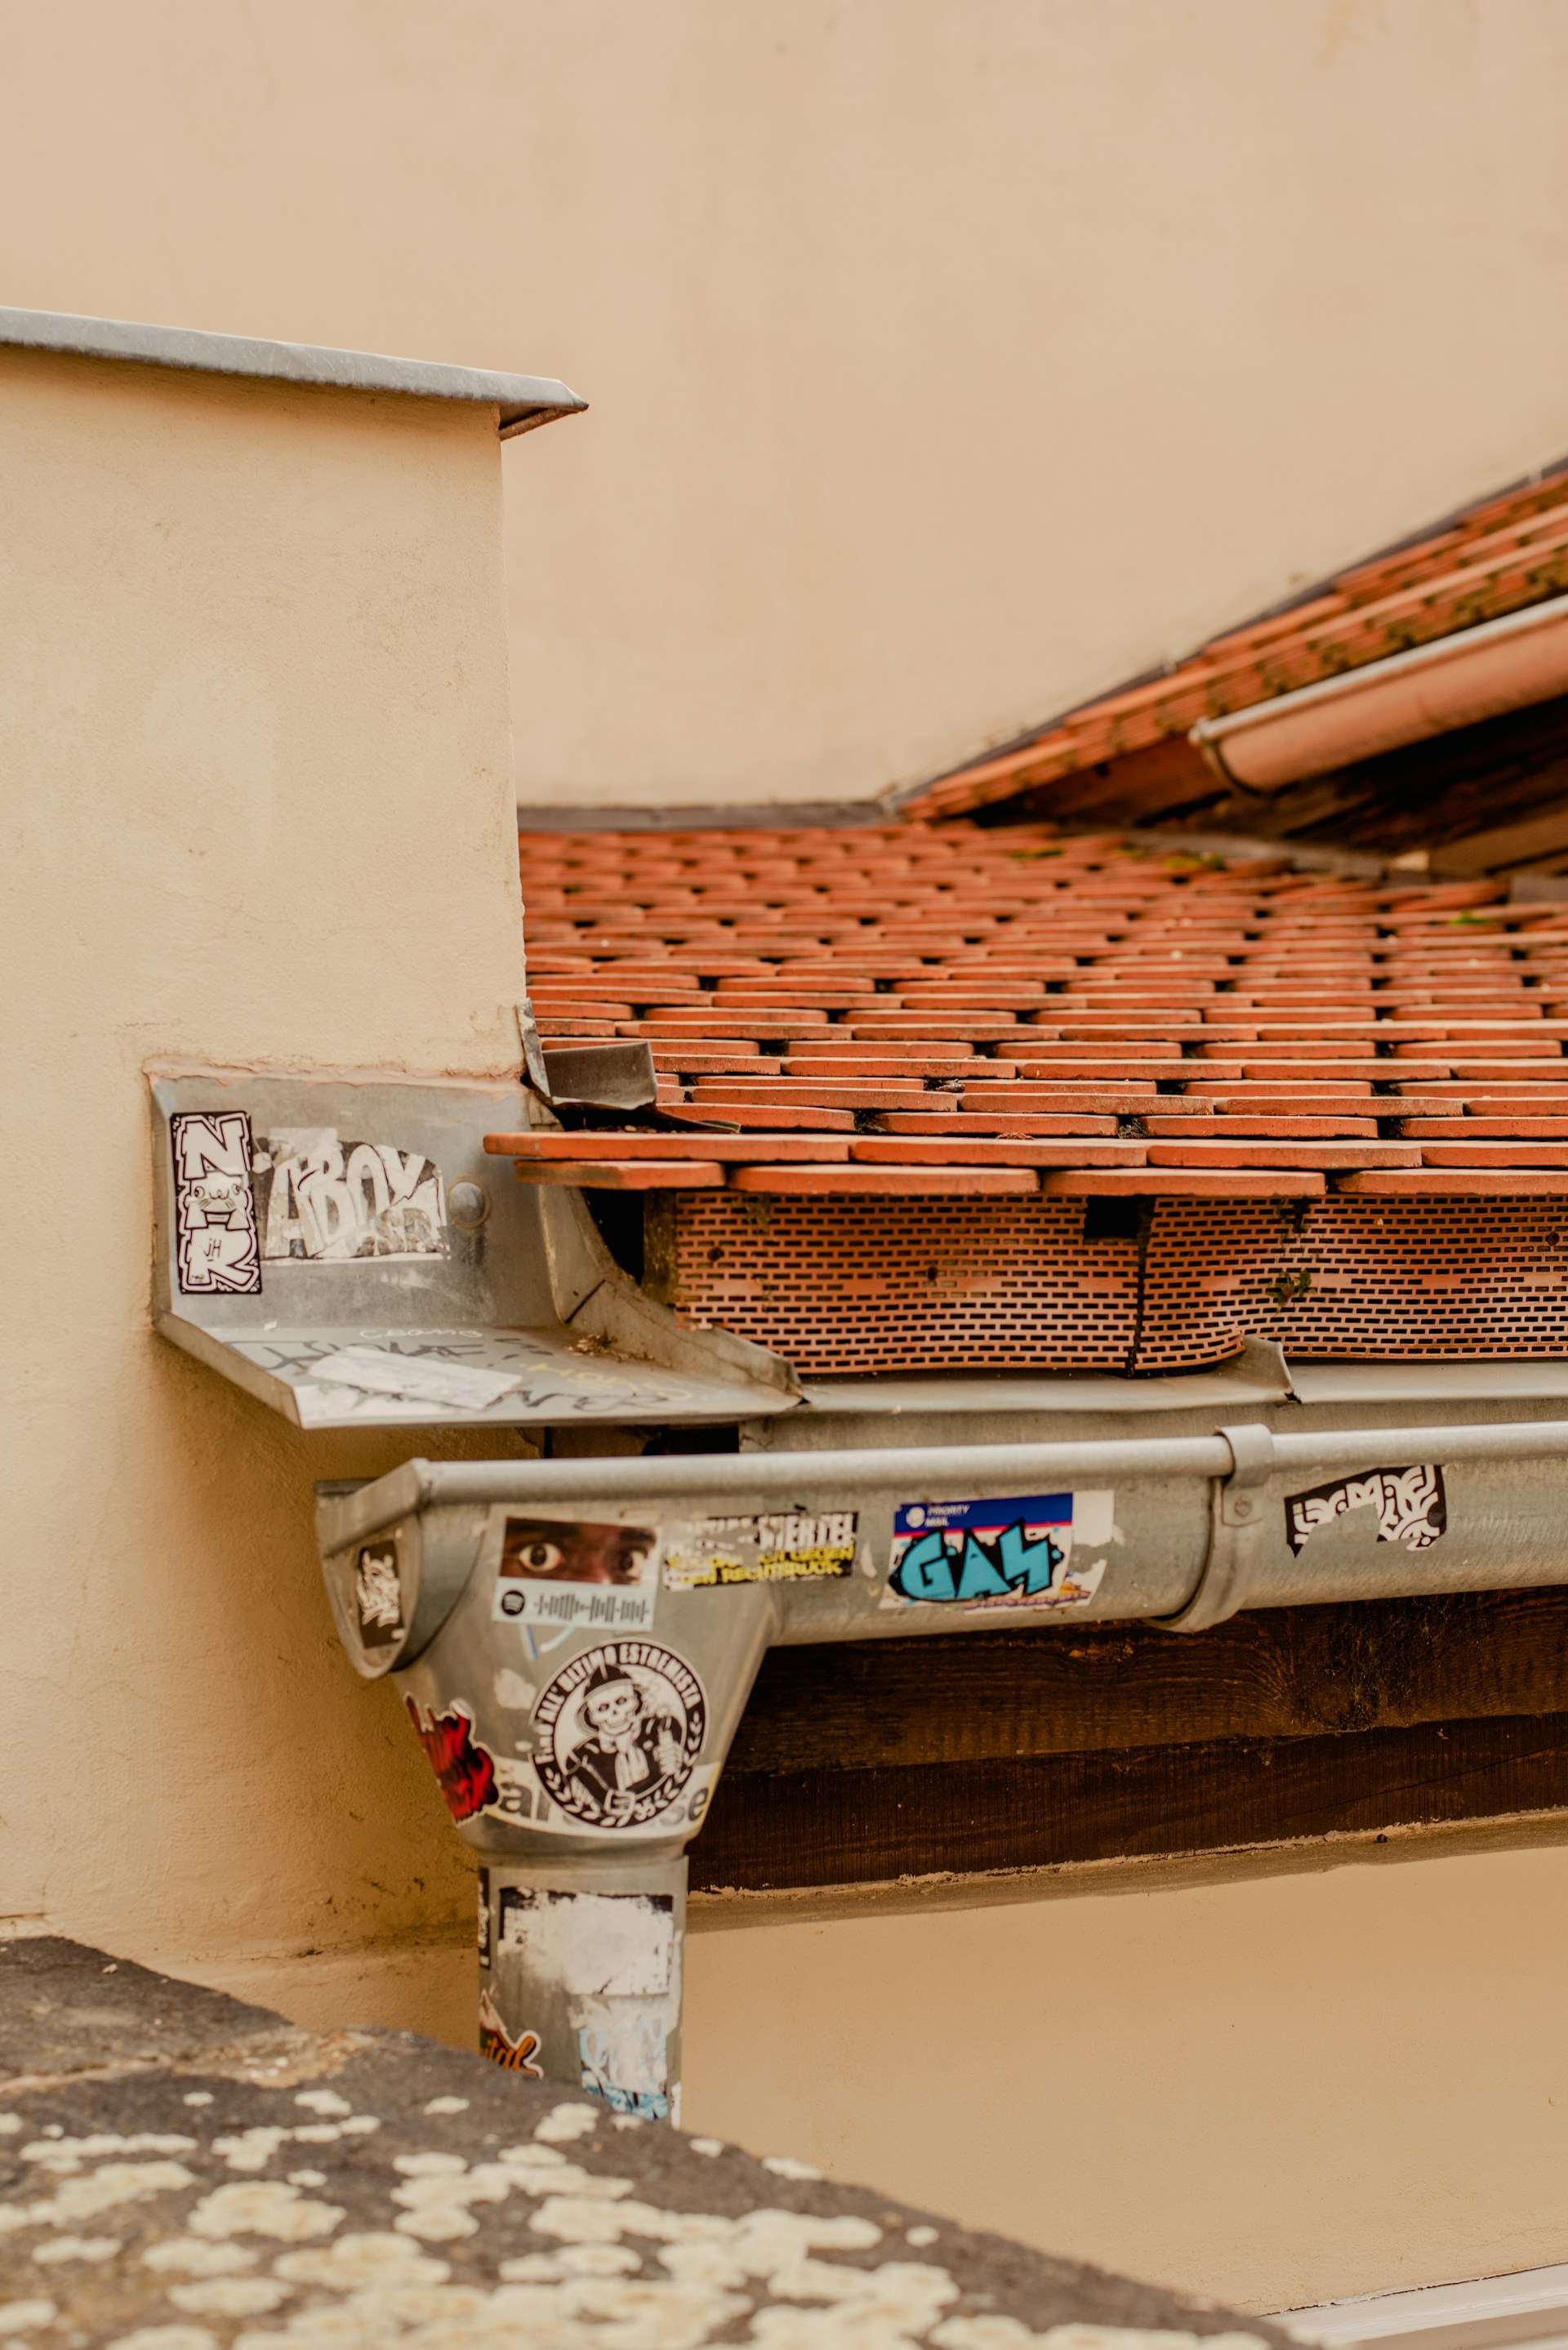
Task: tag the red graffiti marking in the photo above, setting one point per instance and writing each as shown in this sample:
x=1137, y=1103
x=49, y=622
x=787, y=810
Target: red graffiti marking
x=466, y=1772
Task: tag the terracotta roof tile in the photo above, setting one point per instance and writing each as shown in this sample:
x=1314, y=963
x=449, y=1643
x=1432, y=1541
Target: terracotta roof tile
x=1076, y=1005
x=1506, y=553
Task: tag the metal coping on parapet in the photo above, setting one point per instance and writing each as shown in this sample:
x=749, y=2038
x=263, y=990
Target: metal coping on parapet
x=522, y=400
x=759, y=816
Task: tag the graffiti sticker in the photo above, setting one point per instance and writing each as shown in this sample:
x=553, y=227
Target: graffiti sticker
x=708, y=1551
x=379, y=1595
x=328, y=1201
x=214, y=1206
x=567, y=1574
x=496, y=2042
x=620, y=1729
x=1014, y=1552
x=465, y=1770
x=1411, y=1504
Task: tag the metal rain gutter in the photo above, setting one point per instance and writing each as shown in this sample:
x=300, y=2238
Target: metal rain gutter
x=921, y=1474
x=1414, y=1511
x=1478, y=674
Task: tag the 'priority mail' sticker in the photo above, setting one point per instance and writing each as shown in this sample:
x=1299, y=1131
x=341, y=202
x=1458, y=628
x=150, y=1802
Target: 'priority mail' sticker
x=1014, y=1552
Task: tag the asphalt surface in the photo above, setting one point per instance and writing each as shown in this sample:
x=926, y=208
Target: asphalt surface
x=178, y=2171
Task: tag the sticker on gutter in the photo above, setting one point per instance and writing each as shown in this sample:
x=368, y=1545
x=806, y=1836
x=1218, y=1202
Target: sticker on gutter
x=1015, y=1553
x=328, y=1201
x=1411, y=1504
x=620, y=1732
x=781, y=1549
x=574, y=1573
x=464, y=1770
x=215, y=1205
x=379, y=1595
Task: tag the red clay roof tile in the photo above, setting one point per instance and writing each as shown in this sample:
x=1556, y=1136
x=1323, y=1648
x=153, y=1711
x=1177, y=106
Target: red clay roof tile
x=1011, y=999
x=1506, y=553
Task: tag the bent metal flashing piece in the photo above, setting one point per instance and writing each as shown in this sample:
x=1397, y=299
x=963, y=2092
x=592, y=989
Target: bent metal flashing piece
x=341, y=1247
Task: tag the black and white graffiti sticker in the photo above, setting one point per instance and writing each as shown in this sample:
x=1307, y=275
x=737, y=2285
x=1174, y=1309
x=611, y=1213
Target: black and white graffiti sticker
x=619, y=1729
x=787, y=1548
x=328, y=1201
x=214, y=1206
x=379, y=1595
x=1411, y=1504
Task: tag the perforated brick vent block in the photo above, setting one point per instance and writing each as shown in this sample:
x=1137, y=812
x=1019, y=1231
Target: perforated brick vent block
x=850, y=1285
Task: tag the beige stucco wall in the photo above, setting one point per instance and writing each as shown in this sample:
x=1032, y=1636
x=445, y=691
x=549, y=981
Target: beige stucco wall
x=948, y=361
x=256, y=792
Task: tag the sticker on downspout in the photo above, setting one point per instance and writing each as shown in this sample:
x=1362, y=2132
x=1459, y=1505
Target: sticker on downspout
x=1014, y=1552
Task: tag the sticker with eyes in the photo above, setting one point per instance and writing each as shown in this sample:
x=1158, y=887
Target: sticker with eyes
x=565, y=1573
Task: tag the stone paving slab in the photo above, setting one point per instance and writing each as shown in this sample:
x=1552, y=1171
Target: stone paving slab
x=178, y=2171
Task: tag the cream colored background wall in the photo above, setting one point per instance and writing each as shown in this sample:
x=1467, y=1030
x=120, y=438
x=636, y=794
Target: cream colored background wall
x=1271, y=2091
x=948, y=361
x=256, y=805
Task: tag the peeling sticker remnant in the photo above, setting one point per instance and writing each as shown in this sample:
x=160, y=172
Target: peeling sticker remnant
x=614, y=1945
x=214, y=1206
x=496, y=2042
x=1411, y=1504
x=625, y=2062
x=565, y=1573
x=377, y=1594
x=419, y=1377
x=621, y=1727
x=786, y=1548
x=466, y=1771
x=1014, y=1552
x=327, y=1201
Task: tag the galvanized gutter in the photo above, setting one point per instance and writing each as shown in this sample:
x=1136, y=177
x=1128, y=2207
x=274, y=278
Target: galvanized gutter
x=920, y=1473
x=1476, y=674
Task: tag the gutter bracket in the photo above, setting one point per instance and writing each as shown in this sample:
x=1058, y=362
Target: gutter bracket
x=1238, y=1523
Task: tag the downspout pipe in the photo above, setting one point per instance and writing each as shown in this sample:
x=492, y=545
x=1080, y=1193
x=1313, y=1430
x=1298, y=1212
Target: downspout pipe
x=1478, y=674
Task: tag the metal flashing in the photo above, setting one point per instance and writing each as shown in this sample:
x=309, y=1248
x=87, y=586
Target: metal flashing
x=990, y=1394
x=344, y=1253
x=522, y=400
x=763, y=815
x=1439, y=1382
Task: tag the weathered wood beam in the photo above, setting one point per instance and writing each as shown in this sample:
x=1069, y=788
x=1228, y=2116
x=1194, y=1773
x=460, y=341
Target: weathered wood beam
x=836, y=1827
x=1286, y=1672
x=861, y=1762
